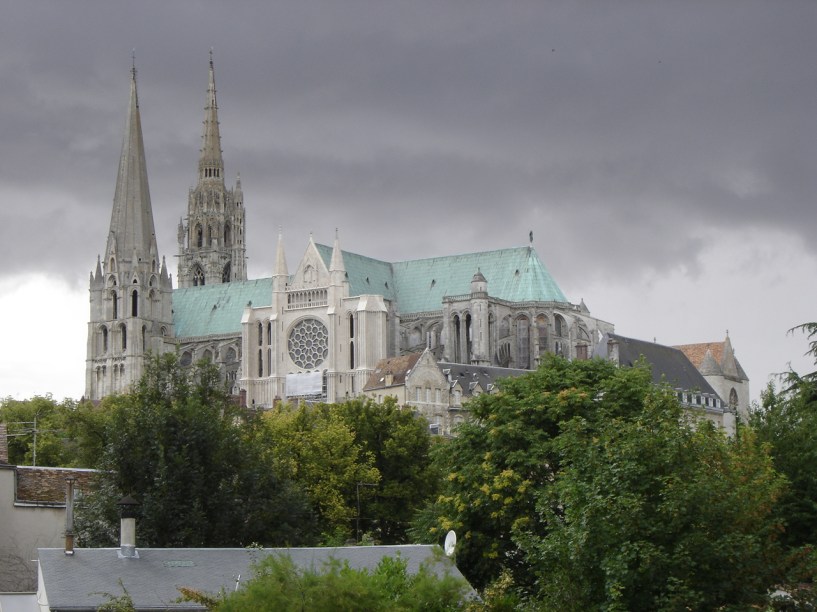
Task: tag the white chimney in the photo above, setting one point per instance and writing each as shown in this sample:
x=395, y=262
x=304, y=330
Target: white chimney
x=127, y=529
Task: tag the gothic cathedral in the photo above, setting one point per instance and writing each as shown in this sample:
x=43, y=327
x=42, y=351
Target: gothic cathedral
x=318, y=332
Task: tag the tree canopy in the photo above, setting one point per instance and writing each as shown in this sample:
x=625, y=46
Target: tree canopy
x=186, y=453
x=208, y=473
x=593, y=487
x=282, y=587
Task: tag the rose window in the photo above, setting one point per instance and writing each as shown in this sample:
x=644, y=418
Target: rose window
x=308, y=344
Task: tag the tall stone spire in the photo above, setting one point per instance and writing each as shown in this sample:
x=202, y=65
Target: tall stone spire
x=132, y=233
x=211, y=238
x=131, y=299
x=211, y=164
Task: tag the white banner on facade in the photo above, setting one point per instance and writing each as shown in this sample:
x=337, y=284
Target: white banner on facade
x=304, y=383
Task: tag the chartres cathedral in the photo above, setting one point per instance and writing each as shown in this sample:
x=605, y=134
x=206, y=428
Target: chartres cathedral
x=316, y=330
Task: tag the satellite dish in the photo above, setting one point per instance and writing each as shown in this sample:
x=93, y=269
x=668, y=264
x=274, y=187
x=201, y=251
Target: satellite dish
x=450, y=543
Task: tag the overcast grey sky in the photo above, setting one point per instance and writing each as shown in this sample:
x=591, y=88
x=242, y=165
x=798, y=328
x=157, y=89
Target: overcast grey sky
x=663, y=153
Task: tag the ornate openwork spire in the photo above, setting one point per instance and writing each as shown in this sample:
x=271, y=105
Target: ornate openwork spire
x=211, y=164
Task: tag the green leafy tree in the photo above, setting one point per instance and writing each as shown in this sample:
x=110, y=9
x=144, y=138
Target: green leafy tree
x=178, y=445
x=657, y=511
x=787, y=420
x=315, y=448
x=38, y=431
x=504, y=457
x=592, y=466
x=281, y=586
x=400, y=446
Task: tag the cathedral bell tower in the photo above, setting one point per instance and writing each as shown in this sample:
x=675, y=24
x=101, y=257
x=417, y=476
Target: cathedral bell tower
x=131, y=291
x=211, y=239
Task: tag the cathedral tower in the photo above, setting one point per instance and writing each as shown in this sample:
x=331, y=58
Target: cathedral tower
x=131, y=291
x=211, y=239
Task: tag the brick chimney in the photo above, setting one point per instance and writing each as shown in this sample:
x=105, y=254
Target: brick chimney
x=69, y=515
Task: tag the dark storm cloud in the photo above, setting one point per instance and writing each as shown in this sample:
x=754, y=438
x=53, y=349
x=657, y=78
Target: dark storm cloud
x=619, y=132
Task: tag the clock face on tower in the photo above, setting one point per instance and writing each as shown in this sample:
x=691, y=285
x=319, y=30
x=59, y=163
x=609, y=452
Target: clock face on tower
x=308, y=343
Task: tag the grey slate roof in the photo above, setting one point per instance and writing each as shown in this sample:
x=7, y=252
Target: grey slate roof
x=467, y=375
x=668, y=364
x=77, y=582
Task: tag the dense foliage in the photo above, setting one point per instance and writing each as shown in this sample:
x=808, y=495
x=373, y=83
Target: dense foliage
x=400, y=447
x=37, y=431
x=786, y=421
x=178, y=445
x=208, y=473
x=281, y=587
x=656, y=512
x=590, y=487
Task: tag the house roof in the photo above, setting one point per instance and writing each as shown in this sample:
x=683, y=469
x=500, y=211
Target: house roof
x=399, y=367
x=721, y=352
x=80, y=582
x=468, y=376
x=46, y=485
x=668, y=364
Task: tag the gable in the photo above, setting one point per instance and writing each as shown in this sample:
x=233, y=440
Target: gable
x=312, y=270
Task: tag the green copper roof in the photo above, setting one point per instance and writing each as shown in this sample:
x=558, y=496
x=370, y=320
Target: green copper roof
x=217, y=309
x=516, y=275
x=419, y=285
x=366, y=276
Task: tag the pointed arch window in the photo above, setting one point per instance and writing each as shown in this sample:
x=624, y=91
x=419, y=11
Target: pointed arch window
x=123, y=332
x=103, y=336
x=542, y=333
x=228, y=235
x=199, y=236
x=114, y=305
x=560, y=326
x=468, y=338
x=134, y=303
x=198, y=276
x=522, y=343
x=144, y=339
x=457, y=339
x=225, y=275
